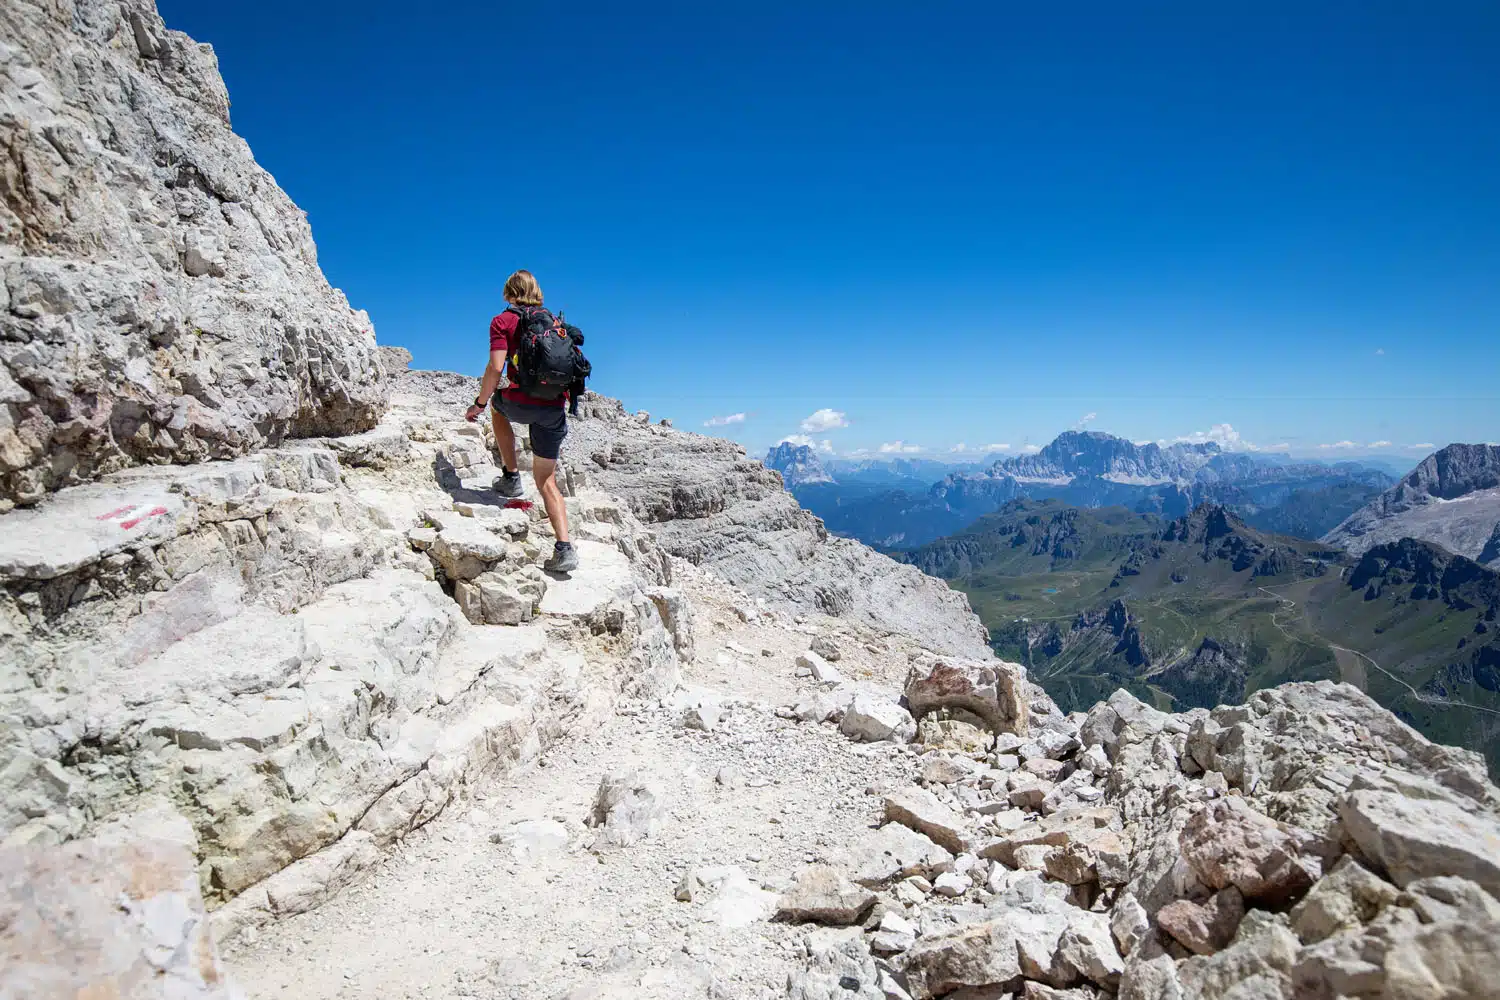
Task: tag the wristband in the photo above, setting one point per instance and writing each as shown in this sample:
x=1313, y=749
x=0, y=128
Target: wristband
x=479, y=404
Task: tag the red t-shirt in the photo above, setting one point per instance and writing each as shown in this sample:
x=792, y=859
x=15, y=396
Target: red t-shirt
x=502, y=333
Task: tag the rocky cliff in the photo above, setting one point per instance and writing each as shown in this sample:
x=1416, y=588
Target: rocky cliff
x=1451, y=499
x=160, y=296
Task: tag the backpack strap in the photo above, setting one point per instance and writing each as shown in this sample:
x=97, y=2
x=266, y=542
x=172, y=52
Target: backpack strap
x=511, y=375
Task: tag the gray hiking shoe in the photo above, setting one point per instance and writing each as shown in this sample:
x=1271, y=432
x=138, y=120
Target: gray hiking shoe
x=508, y=484
x=564, y=559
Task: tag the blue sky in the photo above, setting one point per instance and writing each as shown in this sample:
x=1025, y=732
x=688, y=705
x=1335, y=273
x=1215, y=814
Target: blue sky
x=936, y=224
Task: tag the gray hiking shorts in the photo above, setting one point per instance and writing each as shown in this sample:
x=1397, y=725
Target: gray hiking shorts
x=548, y=424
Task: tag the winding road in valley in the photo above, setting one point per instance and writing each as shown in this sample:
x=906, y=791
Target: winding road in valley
x=1289, y=605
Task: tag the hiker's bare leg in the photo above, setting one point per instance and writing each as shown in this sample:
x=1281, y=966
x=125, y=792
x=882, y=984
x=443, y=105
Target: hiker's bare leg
x=544, y=470
x=505, y=439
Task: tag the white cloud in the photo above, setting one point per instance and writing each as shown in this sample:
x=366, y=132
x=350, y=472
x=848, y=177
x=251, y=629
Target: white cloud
x=1223, y=435
x=1086, y=419
x=982, y=449
x=960, y=447
x=1031, y=449
x=1339, y=445
x=1424, y=446
x=1380, y=444
x=802, y=440
x=824, y=420
x=899, y=448
x=725, y=421
x=1140, y=444
x=1379, y=351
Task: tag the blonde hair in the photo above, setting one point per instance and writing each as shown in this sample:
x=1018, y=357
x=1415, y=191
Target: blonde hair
x=521, y=289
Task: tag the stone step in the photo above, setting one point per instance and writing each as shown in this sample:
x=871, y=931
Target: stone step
x=603, y=576
x=498, y=696
x=281, y=735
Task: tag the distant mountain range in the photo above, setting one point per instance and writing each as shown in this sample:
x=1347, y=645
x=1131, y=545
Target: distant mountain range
x=798, y=464
x=1093, y=469
x=1452, y=499
x=1202, y=609
x=1092, y=454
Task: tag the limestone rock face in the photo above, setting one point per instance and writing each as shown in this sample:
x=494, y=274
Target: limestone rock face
x=274, y=643
x=160, y=296
x=823, y=895
x=870, y=718
x=1229, y=844
x=1413, y=838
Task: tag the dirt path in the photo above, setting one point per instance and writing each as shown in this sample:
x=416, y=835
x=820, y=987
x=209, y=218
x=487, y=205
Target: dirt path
x=453, y=913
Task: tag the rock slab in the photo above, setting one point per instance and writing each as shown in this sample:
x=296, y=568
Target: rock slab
x=92, y=919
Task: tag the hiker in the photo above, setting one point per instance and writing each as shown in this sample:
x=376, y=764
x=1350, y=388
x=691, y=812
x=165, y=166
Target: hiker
x=540, y=357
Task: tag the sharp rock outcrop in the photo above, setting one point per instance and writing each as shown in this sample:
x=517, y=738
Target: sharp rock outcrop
x=160, y=296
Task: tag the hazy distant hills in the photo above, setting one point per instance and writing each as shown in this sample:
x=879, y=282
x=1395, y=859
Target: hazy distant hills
x=1452, y=499
x=828, y=486
x=1092, y=469
x=1204, y=608
x=800, y=465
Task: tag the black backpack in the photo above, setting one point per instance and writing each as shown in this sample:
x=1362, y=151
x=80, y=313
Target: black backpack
x=546, y=359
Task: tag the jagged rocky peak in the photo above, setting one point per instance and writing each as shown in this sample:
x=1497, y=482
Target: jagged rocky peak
x=1422, y=506
x=160, y=296
x=1205, y=523
x=1457, y=470
x=1430, y=571
x=1096, y=454
x=798, y=464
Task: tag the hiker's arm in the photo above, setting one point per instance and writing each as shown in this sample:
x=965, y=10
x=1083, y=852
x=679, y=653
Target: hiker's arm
x=492, y=372
x=488, y=384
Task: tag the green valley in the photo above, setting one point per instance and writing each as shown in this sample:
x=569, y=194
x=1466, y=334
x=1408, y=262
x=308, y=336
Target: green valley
x=1203, y=609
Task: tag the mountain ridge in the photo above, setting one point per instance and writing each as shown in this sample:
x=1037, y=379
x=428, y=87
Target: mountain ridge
x=1094, y=469
x=1104, y=456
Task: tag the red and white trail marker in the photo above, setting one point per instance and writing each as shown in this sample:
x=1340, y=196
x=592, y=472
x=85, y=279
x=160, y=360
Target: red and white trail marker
x=129, y=516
